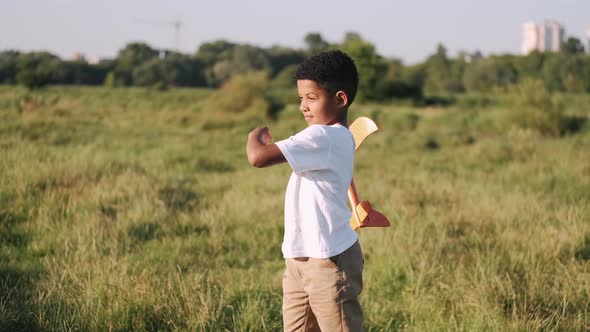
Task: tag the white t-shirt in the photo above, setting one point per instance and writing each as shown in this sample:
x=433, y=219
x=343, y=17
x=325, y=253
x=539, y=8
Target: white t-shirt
x=316, y=214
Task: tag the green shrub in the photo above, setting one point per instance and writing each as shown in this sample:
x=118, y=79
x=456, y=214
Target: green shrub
x=241, y=92
x=535, y=108
x=32, y=79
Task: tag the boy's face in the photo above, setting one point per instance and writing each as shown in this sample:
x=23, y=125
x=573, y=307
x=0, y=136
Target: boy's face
x=317, y=106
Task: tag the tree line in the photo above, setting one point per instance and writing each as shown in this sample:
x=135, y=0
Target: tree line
x=139, y=64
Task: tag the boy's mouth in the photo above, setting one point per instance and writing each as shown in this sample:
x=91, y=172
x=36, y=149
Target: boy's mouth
x=308, y=117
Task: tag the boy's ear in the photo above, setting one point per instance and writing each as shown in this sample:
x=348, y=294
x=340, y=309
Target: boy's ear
x=341, y=99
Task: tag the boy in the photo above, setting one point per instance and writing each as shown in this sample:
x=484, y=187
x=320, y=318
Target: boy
x=324, y=262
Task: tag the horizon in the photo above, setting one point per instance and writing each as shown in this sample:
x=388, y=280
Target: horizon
x=69, y=27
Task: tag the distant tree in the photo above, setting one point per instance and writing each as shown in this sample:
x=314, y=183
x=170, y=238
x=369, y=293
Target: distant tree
x=442, y=73
x=182, y=70
x=351, y=36
x=130, y=57
x=68, y=72
x=8, y=66
x=415, y=74
x=148, y=73
x=454, y=83
x=488, y=73
x=567, y=72
x=400, y=89
x=249, y=58
x=77, y=72
x=280, y=58
x=371, y=68
x=285, y=78
x=315, y=43
x=395, y=70
x=217, y=62
x=584, y=72
x=572, y=46
x=174, y=70
x=211, y=52
x=32, y=79
x=552, y=71
x=530, y=66
x=136, y=53
x=37, y=69
x=244, y=58
x=396, y=83
x=506, y=70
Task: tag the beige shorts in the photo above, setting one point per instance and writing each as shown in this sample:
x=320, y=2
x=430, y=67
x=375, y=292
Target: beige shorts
x=322, y=294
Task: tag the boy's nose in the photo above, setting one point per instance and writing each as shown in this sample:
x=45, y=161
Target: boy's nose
x=303, y=107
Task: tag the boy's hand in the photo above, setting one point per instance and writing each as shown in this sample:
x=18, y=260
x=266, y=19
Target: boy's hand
x=262, y=135
x=260, y=150
x=265, y=136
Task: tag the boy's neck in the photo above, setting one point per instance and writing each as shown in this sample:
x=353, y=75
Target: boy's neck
x=342, y=119
x=343, y=123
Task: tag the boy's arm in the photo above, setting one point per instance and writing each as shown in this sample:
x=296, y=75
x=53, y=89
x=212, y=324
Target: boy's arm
x=261, y=152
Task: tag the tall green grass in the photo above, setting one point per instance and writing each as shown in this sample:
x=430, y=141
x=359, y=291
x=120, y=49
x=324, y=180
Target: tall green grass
x=135, y=209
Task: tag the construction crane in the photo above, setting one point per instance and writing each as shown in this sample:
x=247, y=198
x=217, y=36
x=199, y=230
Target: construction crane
x=176, y=25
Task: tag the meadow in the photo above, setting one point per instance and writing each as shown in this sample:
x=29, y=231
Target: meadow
x=135, y=209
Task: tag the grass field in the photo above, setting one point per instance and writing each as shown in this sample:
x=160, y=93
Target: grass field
x=135, y=209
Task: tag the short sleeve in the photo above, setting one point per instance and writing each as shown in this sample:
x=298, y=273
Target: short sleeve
x=307, y=150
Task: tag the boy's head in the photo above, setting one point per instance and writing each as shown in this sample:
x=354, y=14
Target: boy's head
x=327, y=83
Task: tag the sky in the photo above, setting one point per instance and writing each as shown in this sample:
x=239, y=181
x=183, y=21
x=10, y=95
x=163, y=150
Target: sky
x=408, y=30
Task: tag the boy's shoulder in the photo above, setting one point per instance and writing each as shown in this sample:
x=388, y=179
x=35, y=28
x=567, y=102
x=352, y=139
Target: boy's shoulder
x=319, y=130
x=332, y=135
x=318, y=147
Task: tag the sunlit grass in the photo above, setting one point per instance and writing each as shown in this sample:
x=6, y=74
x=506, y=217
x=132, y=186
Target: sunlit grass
x=136, y=209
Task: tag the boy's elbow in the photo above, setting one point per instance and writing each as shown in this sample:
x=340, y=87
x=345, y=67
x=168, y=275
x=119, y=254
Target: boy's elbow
x=255, y=160
x=258, y=165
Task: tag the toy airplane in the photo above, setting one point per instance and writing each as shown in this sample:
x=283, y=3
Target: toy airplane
x=363, y=214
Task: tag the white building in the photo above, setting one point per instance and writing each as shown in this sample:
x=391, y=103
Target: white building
x=530, y=37
x=90, y=59
x=542, y=37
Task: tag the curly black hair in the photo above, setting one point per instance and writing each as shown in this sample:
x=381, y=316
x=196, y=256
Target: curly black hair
x=332, y=70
